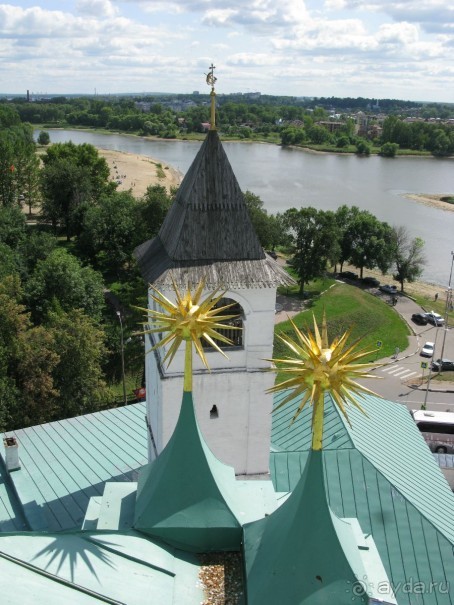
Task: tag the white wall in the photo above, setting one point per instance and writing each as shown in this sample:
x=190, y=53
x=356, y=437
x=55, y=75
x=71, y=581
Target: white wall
x=240, y=436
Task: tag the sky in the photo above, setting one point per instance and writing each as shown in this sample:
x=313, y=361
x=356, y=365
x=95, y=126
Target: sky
x=346, y=48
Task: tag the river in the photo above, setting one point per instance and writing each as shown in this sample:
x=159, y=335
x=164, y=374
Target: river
x=285, y=178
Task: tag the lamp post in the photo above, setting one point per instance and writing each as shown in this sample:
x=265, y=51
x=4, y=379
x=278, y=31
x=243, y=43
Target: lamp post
x=424, y=405
x=447, y=307
x=122, y=348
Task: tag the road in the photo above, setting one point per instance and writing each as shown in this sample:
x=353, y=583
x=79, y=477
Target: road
x=395, y=377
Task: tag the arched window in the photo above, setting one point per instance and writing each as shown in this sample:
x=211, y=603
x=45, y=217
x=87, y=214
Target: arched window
x=236, y=336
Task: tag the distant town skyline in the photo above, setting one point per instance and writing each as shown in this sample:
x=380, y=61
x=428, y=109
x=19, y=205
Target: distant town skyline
x=377, y=49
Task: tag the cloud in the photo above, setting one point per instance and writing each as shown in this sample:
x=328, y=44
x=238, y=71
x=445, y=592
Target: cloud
x=97, y=8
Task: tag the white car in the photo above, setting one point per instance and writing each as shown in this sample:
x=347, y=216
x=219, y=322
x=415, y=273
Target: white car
x=428, y=349
x=435, y=319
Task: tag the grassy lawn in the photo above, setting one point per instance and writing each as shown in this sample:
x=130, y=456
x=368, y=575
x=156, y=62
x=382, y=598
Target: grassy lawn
x=442, y=377
x=311, y=290
x=347, y=306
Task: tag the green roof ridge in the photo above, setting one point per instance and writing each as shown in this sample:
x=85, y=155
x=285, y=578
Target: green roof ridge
x=186, y=496
x=303, y=552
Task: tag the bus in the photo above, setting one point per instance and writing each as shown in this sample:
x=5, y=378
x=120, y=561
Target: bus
x=437, y=429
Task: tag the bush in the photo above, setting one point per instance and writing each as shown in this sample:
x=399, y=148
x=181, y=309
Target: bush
x=389, y=150
x=362, y=148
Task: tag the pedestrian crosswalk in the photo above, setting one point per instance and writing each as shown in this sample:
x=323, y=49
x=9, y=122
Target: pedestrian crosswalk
x=400, y=372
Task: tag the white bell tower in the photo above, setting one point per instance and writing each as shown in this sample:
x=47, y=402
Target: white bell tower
x=208, y=234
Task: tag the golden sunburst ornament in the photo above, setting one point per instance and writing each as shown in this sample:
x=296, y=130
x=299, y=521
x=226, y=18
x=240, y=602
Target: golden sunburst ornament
x=190, y=319
x=317, y=367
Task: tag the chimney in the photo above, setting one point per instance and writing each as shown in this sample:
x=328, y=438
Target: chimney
x=11, y=454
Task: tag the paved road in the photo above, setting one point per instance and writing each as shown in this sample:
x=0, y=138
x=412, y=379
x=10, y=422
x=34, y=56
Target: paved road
x=399, y=375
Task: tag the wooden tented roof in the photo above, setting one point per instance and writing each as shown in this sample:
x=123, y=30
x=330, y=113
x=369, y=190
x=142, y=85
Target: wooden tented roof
x=208, y=233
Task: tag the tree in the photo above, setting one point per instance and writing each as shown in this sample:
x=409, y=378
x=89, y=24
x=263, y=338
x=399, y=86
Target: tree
x=362, y=147
x=389, y=150
x=344, y=216
x=61, y=282
x=78, y=375
x=85, y=156
x=408, y=256
x=31, y=188
x=314, y=235
x=152, y=209
x=13, y=321
x=37, y=360
x=13, y=228
x=37, y=246
x=370, y=242
x=43, y=138
x=109, y=231
x=66, y=188
x=17, y=148
x=10, y=262
x=73, y=177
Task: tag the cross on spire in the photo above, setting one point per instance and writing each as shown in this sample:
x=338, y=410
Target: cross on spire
x=211, y=80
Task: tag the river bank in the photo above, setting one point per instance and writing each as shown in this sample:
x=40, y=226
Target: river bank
x=434, y=200
x=142, y=172
x=136, y=172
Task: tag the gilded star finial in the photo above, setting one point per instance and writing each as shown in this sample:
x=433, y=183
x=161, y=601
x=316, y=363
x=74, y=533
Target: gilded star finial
x=211, y=81
x=316, y=367
x=190, y=319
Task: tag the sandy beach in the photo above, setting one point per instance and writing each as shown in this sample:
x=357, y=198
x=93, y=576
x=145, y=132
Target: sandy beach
x=137, y=172
x=432, y=200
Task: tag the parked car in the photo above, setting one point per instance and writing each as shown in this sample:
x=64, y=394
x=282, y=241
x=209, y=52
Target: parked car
x=435, y=319
x=443, y=365
x=387, y=289
x=348, y=275
x=271, y=253
x=428, y=349
x=420, y=319
x=371, y=282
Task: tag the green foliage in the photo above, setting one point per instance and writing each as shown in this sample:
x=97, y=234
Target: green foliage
x=389, y=150
x=362, y=147
x=13, y=321
x=12, y=226
x=78, y=375
x=365, y=242
x=73, y=177
x=35, y=247
x=61, y=282
x=17, y=158
x=408, y=256
x=37, y=360
x=152, y=209
x=10, y=262
x=84, y=156
x=268, y=227
x=438, y=138
x=43, y=138
x=8, y=116
x=314, y=238
x=343, y=141
x=108, y=234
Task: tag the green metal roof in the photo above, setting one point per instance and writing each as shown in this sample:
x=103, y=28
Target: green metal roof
x=391, y=483
x=190, y=499
x=410, y=546
x=95, y=567
x=303, y=553
x=65, y=463
x=380, y=471
x=298, y=436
